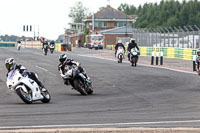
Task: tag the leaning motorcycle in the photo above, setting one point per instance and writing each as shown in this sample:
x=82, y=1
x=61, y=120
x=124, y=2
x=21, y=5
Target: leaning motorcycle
x=78, y=79
x=134, y=57
x=26, y=88
x=52, y=47
x=45, y=49
x=120, y=54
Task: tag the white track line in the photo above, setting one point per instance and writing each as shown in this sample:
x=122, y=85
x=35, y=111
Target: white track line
x=103, y=124
x=38, y=54
x=42, y=68
x=138, y=63
x=46, y=70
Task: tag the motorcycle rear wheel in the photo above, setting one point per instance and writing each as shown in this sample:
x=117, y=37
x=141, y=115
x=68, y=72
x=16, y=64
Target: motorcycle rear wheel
x=47, y=97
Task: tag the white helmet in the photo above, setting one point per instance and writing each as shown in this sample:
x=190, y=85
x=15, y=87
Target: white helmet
x=132, y=39
x=119, y=41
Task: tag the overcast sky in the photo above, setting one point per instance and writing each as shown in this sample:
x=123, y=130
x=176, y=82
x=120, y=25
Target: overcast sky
x=51, y=16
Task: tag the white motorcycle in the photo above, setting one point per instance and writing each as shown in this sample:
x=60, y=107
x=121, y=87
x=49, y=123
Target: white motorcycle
x=120, y=54
x=26, y=88
x=134, y=56
x=19, y=46
x=52, y=47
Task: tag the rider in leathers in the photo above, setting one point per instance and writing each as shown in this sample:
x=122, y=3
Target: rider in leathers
x=131, y=45
x=11, y=66
x=119, y=44
x=69, y=62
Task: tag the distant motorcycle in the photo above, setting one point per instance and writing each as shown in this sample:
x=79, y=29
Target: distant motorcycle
x=120, y=54
x=19, y=46
x=52, y=47
x=134, y=57
x=80, y=81
x=45, y=49
x=26, y=88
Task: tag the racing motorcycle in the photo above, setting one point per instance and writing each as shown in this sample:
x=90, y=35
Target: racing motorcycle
x=78, y=79
x=26, y=88
x=134, y=57
x=18, y=46
x=45, y=49
x=120, y=54
x=52, y=47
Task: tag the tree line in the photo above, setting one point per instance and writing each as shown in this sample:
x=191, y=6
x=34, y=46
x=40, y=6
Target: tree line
x=164, y=14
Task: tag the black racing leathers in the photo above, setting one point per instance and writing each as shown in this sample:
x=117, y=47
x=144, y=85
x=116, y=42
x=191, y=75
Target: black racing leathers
x=130, y=46
x=68, y=62
x=119, y=45
x=45, y=45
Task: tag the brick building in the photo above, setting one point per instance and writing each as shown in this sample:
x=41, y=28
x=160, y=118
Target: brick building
x=111, y=36
x=108, y=18
x=109, y=22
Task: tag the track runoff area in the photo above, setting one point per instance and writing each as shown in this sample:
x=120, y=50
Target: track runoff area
x=144, y=96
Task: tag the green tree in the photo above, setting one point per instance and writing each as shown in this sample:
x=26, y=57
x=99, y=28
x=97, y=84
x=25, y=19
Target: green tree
x=78, y=12
x=166, y=13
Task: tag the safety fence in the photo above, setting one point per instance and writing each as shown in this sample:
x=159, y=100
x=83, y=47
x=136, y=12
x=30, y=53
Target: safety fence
x=37, y=44
x=7, y=44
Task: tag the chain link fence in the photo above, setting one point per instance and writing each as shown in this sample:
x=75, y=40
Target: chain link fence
x=180, y=37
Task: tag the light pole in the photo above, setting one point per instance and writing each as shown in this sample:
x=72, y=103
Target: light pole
x=168, y=34
x=193, y=46
x=173, y=34
x=198, y=33
x=177, y=31
x=188, y=33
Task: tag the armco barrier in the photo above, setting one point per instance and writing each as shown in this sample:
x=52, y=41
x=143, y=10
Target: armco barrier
x=168, y=52
x=7, y=44
x=179, y=53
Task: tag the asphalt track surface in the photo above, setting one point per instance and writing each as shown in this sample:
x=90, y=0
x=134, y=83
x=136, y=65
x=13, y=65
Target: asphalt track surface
x=123, y=96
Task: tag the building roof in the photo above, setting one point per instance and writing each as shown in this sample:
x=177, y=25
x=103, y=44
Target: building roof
x=118, y=30
x=109, y=13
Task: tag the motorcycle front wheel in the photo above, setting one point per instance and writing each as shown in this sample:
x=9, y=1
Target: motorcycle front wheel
x=79, y=86
x=26, y=97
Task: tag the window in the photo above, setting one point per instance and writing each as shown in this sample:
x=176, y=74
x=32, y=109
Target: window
x=74, y=27
x=120, y=23
x=100, y=24
x=104, y=24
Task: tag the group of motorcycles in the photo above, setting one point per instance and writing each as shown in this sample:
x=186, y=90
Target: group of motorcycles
x=28, y=90
x=134, y=53
x=51, y=47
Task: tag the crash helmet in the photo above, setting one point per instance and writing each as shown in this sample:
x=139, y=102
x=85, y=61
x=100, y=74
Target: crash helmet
x=62, y=58
x=132, y=40
x=198, y=52
x=10, y=63
x=119, y=41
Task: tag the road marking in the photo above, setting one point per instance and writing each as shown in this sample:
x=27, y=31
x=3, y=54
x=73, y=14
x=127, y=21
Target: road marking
x=138, y=64
x=46, y=70
x=103, y=124
x=38, y=54
x=42, y=68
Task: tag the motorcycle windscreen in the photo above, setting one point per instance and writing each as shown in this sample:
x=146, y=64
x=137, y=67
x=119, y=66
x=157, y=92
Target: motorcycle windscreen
x=12, y=73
